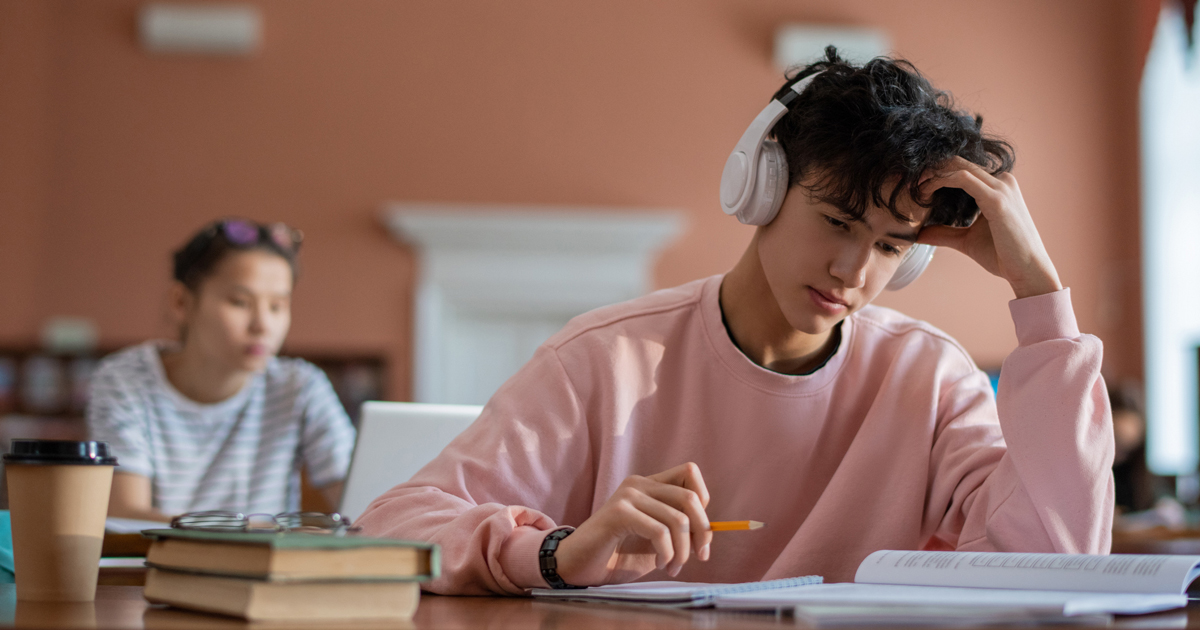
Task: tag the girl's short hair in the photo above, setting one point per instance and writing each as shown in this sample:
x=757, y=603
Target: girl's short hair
x=196, y=260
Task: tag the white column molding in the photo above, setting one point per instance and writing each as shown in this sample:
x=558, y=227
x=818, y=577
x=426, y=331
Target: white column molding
x=496, y=281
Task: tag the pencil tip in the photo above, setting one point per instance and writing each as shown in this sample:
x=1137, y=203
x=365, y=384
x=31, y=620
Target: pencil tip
x=757, y=525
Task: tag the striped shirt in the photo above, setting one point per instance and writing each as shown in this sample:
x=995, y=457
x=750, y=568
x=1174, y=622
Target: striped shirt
x=242, y=454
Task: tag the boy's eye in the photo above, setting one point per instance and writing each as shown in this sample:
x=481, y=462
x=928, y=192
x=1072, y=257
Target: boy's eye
x=889, y=249
x=841, y=225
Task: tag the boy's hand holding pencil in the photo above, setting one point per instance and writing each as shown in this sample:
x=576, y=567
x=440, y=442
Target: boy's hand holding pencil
x=649, y=522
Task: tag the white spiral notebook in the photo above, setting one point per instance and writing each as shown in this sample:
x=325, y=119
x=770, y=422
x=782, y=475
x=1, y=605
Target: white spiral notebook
x=671, y=594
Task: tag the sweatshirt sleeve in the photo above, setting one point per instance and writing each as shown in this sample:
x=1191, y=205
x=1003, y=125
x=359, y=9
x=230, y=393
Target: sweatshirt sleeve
x=1046, y=486
x=529, y=447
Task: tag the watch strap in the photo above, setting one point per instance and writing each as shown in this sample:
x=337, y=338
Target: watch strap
x=548, y=563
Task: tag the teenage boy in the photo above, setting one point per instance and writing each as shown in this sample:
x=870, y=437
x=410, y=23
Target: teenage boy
x=777, y=393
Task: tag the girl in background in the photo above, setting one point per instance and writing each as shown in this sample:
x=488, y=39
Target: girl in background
x=216, y=421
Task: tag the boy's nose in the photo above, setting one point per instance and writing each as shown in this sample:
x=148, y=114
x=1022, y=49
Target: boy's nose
x=851, y=267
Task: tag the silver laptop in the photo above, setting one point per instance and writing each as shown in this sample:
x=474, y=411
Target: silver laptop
x=395, y=440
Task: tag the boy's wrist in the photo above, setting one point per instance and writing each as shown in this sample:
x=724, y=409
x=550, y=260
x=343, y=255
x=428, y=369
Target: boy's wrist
x=519, y=557
x=547, y=561
x=1040, y=282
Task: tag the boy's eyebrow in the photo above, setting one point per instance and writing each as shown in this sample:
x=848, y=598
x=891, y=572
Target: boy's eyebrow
x=910, y=237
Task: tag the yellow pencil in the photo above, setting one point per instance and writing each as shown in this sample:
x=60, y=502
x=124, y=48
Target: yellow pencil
x=729, y=526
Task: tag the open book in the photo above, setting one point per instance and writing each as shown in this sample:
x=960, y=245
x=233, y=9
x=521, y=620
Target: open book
x=941, y=587
x=1120, y=573
x=932, y=584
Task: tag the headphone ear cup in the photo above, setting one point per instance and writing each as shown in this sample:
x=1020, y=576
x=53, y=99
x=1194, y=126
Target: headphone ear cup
x=770, y=186
x=915, y=262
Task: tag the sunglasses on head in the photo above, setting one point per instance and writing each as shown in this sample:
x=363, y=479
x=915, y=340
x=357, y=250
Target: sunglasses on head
x=245, y=233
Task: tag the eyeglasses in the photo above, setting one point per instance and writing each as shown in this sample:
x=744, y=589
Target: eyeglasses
x=245, y=233
x=224, y=521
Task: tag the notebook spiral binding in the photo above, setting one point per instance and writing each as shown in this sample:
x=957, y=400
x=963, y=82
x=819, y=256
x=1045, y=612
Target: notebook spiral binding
x=804, y=580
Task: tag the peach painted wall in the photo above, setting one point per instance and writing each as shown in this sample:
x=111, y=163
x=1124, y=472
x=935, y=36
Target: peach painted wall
x=26, y=73
x=119, y=155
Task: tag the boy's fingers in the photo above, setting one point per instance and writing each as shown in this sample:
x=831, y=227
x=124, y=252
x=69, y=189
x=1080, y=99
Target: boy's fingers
x=687, y=502
x=959, y=163
x=653, y=530
x=681, y=499
x=943, y=236
x=683, y=488
x=677, y=524
x=685, y=476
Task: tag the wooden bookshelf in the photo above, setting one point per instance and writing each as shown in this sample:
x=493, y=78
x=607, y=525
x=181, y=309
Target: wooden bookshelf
x=37, y=383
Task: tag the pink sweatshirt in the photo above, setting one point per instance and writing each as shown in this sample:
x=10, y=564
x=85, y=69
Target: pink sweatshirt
x=894, y=444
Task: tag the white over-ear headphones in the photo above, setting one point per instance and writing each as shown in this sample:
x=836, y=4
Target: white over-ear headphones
x=755, y=181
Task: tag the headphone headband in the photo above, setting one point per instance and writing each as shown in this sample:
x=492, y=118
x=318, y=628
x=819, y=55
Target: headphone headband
x=741, y=169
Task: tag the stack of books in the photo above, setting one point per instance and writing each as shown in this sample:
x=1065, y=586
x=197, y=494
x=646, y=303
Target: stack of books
x=288, y=576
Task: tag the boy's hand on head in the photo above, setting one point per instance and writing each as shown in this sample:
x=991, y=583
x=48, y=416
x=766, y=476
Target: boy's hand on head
x=648, y=523
x=1003, y=238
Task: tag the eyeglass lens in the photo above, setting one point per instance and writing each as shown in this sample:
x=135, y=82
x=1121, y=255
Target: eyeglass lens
x=210, y=520
x=217, y=520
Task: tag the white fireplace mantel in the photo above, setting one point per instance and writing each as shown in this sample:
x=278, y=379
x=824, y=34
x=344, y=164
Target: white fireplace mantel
x=496, y=281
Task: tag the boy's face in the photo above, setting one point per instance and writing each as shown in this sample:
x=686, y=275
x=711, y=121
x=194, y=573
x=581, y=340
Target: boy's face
x=822, y=265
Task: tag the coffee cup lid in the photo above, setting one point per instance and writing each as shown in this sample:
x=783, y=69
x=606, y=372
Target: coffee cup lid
x=60, y=452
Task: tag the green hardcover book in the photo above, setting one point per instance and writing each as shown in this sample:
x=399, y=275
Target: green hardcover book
x=292, y=556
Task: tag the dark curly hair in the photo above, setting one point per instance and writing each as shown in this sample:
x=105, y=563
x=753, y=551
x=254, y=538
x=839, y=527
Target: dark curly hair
x=859, y=129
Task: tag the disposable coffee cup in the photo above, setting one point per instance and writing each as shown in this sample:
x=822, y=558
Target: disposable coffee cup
x=58, y=498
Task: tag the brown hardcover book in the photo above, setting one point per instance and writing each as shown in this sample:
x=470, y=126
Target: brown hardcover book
x=261, y=600
x=292, y=556
x=171, y=618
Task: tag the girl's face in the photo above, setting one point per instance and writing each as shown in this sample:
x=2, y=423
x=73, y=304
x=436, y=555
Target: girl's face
x=822, y=266
x=240, y=314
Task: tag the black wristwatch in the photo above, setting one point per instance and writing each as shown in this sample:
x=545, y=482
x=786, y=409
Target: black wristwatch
x=546, y=561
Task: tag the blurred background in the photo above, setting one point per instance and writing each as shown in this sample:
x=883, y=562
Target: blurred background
x=392, y=132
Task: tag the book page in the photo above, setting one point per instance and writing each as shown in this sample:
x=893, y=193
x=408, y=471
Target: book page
x=1042, y=571
x=853, y=615
x=976, y=601
x=129, y=525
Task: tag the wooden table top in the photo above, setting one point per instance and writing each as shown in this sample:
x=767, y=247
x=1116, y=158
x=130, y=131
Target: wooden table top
x=123, y=608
